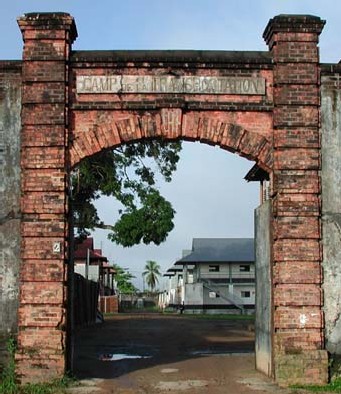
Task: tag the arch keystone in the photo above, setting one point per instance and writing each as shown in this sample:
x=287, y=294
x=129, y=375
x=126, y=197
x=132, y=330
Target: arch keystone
x=171, y=122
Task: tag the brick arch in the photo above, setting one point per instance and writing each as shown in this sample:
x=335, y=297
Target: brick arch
x=61, y=126
x=170, y=124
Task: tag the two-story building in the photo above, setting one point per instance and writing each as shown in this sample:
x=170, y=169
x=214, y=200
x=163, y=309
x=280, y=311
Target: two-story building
x=217, y=276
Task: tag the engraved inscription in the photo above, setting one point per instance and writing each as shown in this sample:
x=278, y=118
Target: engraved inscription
x=99, y=84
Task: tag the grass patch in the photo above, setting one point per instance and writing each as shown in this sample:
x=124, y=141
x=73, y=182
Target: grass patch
x=334, y=387
x=55, y=387
x=9, y=383
x=220, y=316
x=335, y=379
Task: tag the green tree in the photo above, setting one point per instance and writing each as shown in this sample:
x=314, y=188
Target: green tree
x=127, y=174
x=151, y=273
x=123, y=280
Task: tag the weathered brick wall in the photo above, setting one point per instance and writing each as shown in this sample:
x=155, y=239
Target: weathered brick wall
x=10, y=108
x=298, y=317
x=331, y=203
x=44, y=227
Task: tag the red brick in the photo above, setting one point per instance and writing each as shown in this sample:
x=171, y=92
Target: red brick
x=42, y=341
x=300, y=52
x=297, y=272
x=43, y=270
x=49, y=157
x=40, y=34
x=37, y=369
x=31, y=227
x=294, y=318
x=297, y=250
x=297, y=227
x=41, y=248
x=295, y=116
x=52, y=316
x=171, y=121
x=297, y=73
x=48, y=71
x=295, y=340
x=297, y=158
x=297, y=295
x=297, y=94
x=52, y=293
x=297, y=138
x=43, y=202
x=297, y=181
x=43, y=135
x=43, y=114
x=43, y=180
x=44, y=92
x=47, y=49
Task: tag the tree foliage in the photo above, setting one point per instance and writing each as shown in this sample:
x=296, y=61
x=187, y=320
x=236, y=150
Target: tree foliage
x=151, y=273
x=123, y=280
x=126, y=173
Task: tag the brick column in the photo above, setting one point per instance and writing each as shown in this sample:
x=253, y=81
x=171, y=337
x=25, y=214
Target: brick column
x=298, y=318
x=44, y=163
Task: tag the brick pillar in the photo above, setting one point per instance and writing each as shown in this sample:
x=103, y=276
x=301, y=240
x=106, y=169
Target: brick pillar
x=298, y=318
x=44, y=163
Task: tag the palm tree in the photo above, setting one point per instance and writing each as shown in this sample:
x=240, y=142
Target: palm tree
x=151, y=273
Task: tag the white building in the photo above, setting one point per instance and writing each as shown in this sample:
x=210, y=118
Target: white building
x=218, y=276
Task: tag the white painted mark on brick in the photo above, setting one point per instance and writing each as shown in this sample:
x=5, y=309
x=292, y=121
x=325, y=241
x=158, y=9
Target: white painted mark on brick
x=303, y=320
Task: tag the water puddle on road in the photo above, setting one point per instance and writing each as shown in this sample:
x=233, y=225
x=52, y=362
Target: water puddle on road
x=121, y=356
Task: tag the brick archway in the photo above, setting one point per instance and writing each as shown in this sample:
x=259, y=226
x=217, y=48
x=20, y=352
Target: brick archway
x=262, y=105
x=108, y=130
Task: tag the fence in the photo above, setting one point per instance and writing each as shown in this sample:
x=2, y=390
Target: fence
x=85, y=301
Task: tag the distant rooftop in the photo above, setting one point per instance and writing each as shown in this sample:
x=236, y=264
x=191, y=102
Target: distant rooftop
x=220, y=250
x=256, y=174
x=81, y=250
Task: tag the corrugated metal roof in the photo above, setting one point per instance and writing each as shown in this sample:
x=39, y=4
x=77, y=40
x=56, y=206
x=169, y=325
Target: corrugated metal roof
x=220, y=250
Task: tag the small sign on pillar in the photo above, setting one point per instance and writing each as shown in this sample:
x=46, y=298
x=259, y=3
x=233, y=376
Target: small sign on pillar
x=57, y=247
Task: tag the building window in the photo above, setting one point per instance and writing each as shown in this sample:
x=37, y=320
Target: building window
x=244, y=268
x=245, y=294
x=213, y=268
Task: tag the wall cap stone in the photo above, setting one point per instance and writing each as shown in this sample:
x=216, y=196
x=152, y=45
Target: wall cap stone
x=48, y=21
x=293, y=24
x=173, y=56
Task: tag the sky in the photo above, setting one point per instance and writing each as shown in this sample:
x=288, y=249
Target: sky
x=208, y=191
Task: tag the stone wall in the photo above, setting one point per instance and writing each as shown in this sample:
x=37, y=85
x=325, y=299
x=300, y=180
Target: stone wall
x=264, y=324
x=331, y=204
x=10, y=108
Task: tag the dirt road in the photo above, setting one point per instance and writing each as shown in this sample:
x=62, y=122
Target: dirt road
x=154, y=353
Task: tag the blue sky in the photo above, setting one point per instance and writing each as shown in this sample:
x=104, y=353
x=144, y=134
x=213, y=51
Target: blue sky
x=208, y=192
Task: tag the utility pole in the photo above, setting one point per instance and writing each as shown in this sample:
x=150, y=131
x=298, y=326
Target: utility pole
x=87, y=263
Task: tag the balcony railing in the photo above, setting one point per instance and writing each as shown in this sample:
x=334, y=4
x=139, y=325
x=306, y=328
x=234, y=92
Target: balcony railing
x=225, y=276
